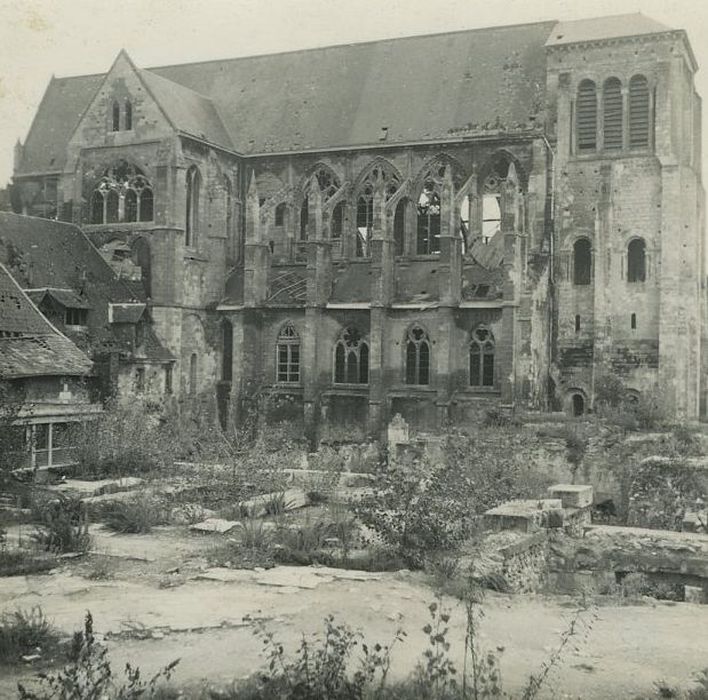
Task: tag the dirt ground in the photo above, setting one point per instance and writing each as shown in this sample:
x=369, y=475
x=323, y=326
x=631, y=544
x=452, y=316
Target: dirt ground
x=167, y=604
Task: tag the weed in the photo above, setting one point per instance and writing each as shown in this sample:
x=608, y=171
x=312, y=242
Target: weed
x=137, y=515
x=22, y=562
x=63, y=525
x=89, y=675
x=23, y=631
x=277, y=504
x=255, y=533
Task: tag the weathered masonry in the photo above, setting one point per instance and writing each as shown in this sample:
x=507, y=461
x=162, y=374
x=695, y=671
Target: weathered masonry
x=431, y=226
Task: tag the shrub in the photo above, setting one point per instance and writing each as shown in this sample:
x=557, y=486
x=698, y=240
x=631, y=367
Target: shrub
x=23, y=631
x=63, y=524
x=609, y=391
x=89, y=675
x=136, y=515
x=22, y=562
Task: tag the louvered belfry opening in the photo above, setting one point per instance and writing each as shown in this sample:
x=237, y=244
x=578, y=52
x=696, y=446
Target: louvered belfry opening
x=587, y=116
x=612, y=114
x=638, y=112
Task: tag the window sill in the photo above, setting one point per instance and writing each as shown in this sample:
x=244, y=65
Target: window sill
x=615, y=154
x=480, y=390
x=130, y=225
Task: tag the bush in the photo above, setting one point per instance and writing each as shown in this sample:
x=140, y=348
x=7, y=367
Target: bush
x=22, y=632
x=22, y=562
x=89, y=675
x=63, y=524
x=137, y=515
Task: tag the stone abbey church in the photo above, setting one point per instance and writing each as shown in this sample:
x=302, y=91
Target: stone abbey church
x=433, y=226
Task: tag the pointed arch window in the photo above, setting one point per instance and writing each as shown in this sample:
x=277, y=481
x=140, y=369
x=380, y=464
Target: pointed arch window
x=491, y=206
x=636, y=261
x=399, y=227
x=428, y=239
x=288, y=355
x=582, y=262
x=351, y=358
x=122, y=195
x=639, y=118
x=586, y=113
x=337, y=229
x=191, y=226
x=612, y=114
x=128, y=122
x=364, y=222
x=482, y=352
x=280, y=214
x=228, y=207
x=417, y=357
x=116, y=116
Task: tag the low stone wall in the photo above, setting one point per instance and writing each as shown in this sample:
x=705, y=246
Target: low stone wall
x=606, y=552
x=519, y=558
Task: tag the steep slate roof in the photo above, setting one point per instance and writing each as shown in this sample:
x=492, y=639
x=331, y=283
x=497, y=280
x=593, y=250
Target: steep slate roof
x=65, y=297
x=188, y=111
x=33, y=348
x=58, y=115
x=612, y=27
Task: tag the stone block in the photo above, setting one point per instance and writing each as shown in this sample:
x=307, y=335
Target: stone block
x=217, y=525
x=693, y=594
x=572, y=495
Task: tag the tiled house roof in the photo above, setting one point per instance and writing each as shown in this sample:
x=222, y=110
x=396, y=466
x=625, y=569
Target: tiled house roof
x=29, y=345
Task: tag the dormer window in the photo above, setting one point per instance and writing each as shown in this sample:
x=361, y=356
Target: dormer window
x=75, y=317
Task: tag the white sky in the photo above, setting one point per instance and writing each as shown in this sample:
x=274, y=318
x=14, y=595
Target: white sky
x=39, y=38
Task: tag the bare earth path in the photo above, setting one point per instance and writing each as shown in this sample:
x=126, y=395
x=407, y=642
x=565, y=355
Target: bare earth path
x=207, y=624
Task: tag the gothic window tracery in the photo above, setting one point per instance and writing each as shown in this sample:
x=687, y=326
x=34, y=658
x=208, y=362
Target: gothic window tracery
x=482, y=351
x=123, y=194
x=417, y=357
x=378, y=175
x=351, y=358
x=288, y=355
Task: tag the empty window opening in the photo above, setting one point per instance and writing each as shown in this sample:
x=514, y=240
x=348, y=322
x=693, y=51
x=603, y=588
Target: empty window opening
x=465, y=222
x=399, y=227
x=193, y=374
x=578, y=405
x=227, y=353
x=140, y=380
x=482, y=350
x=128, y=124
x=428, y=220
x=586, y=112
x=351, y=359
x=364, y=222
x=116, y=116
x=639, y=118
x=304, y=219
x=636, y=261
x=288, y=355
x=582, y=261
x=417, y=357
x=577, y=323
x=491, y=216
x=280, y=214
x=337, y=229
x=633, y=322
x=194, y=183
x=612, y=114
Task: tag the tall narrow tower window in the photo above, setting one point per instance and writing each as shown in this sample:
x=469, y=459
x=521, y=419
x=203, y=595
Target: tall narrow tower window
x=582, y=262
x=587, y=117
x=191, y=228
x=612, y=114
x=636, y=261
x=638, y=112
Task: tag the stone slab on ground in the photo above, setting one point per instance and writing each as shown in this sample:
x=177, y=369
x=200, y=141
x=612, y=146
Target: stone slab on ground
x=218, y=525
x=348, y=574
x=85, y=488
x=293, y=577
x=572, y=495
x=225, y=575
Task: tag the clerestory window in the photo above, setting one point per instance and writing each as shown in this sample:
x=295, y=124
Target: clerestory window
x=288, y=355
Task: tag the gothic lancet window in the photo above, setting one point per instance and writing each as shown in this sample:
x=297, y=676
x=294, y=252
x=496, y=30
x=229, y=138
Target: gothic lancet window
x=191, y=225
x=399, y=227
x=351, y=359
x=482, y=350
x=612, y=115
x=228, y=206
x=636, y=261
x=116, y=116
x=639, y=118
x=381, y=175
x=337, y=228
x=417, y=356
x=582, y=262
x=586, y=113
x=288, y=355
x=428, y=239
x=128, y=121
